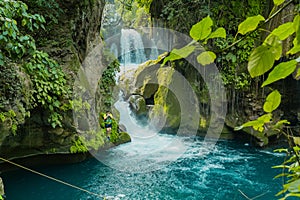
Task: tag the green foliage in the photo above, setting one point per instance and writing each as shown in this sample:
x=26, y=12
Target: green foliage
x=257, y=124
x=108, y=80
x=78, y=146
x=272, y=102
x=10, y=117
x=144, y=4
x=78, y=106
x=50, y=9
x=14, y=43
x=261, y=60
x=206, y=58
x=278, y=2
x=134, y=13
x=250, y=24
x=177, y=54
x=49, y=85
x=263, y=57
x=92, y=140
x=202, y=29
x=284, y=31
x=18, y=46
x=10, y=85
x=219, y=33
x=281, y=71
x=290, y=169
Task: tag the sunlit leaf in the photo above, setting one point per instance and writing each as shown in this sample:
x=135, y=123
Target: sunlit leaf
x=278, y=2
x=279, y=166
x=296, y=140
x=294, y=186
x=296, y=23
x=250, y=24
x=257, y=124
x=281, y=150
x=281, y=123
x=281, y=71
x=177, y=54
x=202, y=29
x=219, y=33
x=261, y=60
x=275, y=45
x=284, y=31
x=280, y=175
x=265, y=118
x=298, y=74
x=272, y=102
x=206, y=58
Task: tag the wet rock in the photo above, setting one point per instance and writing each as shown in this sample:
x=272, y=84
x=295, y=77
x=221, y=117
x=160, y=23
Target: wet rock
x=138, y=104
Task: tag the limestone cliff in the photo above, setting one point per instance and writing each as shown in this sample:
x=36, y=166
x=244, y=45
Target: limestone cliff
x=74, y=42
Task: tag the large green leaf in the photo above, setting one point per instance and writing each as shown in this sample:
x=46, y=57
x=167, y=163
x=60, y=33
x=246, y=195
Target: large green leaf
x=272, y=102
x=281, y=71
x=278, y=2
x=296, y=24
x=202, y=29
x=250, y=24
x=206, y=58
x=275, y=45
x=219, y=33
x=177, y=54
x=284, y=31
x=261, y=60
x=296, y=47
x=257, y=124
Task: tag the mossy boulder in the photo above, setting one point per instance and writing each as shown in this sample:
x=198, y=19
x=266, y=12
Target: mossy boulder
x=138, y=105
x=123, y=138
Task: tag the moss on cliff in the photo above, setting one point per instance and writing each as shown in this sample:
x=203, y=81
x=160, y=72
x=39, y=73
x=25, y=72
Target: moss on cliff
x=72, y=31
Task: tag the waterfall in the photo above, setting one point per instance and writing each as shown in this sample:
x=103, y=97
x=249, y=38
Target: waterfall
x=154, y=51
x=132, y=47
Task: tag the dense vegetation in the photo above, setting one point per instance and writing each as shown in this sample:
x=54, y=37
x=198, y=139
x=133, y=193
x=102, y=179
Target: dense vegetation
x=242, y=46
x=252, y=49
x=20, y=53
x=243, y=43
x=38, y=69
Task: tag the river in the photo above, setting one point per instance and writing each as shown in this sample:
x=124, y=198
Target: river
x=147, y=169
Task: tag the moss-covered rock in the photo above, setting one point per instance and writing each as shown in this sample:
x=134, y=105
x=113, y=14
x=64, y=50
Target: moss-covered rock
x=123, y=138
x=69, y=41
x=138, y=105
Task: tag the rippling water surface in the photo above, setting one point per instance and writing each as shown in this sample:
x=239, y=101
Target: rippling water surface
x=157, y=166
x=230, y=168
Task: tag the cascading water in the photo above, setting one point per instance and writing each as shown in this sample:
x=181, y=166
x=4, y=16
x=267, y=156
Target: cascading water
x=132, y=47
x=154, y=51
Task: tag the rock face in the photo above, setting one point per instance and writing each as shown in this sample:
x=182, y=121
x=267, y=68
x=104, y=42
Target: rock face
x=138, y=105
x=75, y=43
x=166, y=98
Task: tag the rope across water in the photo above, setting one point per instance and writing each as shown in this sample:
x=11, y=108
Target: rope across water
x=52, y=178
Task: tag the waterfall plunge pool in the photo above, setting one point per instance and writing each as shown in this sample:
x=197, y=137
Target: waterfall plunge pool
x=227, y=170
x=230, y=167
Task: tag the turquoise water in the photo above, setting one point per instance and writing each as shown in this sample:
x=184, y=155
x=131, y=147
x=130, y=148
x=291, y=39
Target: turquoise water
x=156, y=166
x=230, y=167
